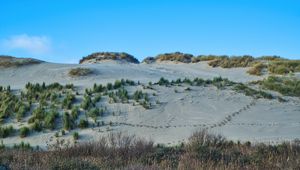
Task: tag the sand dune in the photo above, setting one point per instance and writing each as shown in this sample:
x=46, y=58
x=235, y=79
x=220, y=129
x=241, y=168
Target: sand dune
x=178, y=113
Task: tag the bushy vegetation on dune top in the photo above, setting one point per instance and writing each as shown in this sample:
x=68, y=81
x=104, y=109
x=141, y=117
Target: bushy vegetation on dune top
x=177, y=56
x=99, y=56
x=9, y=61
x=119, y=151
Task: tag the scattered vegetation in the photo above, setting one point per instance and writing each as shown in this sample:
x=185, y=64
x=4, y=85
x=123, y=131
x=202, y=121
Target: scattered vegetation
x=9, y=61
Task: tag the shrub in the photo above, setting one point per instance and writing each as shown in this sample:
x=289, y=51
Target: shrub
x=163, y=81
x=68, y=101
x=24, y=131
x=75, y=72
x=49, y=120
x=257, y=69
x=6, y=131
x=93, y=113
x=83, y=123
x=37, y=126
x=67, y=121
x=75, y=112
x=75, y=135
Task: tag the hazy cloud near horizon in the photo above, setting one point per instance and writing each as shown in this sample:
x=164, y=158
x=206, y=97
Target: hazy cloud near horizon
x=34, y=45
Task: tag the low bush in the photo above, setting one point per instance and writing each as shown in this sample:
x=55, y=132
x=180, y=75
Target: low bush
x=83, y=123
x=75, y=72
x=24, y=131
x=257, y=69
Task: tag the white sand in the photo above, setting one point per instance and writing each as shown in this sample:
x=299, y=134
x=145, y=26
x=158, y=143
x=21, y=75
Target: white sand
x=179, y=114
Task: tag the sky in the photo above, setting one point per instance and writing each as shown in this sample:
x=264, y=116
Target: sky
x=66, y=30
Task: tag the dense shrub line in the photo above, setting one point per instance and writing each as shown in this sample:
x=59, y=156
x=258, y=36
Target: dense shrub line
x=115, y=151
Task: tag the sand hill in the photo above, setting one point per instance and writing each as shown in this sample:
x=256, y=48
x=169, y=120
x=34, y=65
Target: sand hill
x=148, y=106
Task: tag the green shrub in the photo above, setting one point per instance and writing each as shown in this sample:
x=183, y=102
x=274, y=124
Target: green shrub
x=6, y=131
x=24, y=131
x=163, y=81
x=75, y=112
x=83, y=123
x=75, y=135
x=67, y=121
x=37, y=126
x=49, y=120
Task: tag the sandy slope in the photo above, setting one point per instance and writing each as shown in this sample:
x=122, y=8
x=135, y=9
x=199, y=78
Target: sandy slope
x=179, y=113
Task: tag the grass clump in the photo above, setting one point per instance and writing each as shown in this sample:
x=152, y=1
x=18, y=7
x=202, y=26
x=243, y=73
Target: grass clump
x=76, y=72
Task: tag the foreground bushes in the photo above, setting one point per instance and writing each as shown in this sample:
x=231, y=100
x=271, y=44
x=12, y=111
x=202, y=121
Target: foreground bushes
x=118, y=151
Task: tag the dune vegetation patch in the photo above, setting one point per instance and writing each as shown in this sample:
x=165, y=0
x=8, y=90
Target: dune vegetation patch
x=119, y=151
x=114, y=56
x=9, y=61
x=284, y=67
x=177, y=57
x=285, y=85
x=257, y=69
x=77, y=72
x=232, y=62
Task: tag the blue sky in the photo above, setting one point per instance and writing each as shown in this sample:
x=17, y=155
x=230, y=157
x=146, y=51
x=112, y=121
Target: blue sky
x=66, y=30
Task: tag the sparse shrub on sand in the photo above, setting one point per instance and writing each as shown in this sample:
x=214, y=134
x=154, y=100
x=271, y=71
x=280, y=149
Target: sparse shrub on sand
x=75, y=72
